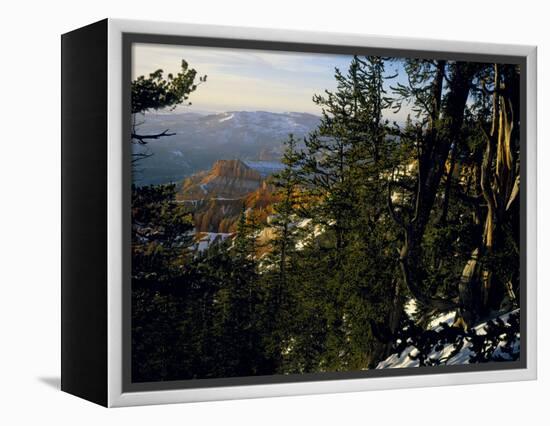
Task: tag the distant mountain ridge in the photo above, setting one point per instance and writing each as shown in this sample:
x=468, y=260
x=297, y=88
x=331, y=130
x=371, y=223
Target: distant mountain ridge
x=262, y=122
x=200, y=140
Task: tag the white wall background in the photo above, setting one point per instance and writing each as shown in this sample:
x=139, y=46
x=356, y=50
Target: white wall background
x=30, y=209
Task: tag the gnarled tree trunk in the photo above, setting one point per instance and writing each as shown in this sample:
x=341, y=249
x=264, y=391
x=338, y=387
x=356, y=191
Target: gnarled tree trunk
x=499, y=182
x=444, y=131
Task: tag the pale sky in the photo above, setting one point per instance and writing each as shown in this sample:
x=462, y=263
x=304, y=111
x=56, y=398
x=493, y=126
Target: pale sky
x=247, y=80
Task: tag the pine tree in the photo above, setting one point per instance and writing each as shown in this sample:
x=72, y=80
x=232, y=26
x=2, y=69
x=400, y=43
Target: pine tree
x=155, y=92
x=345, y=160
x=239, y=298
x=283, y=223
x=161, y=246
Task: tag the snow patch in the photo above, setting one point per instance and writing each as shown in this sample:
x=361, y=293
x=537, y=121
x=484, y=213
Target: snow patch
x=462, y=357
x=210, y=238
x=229, y=117
x=410, y=308
x=447, y=318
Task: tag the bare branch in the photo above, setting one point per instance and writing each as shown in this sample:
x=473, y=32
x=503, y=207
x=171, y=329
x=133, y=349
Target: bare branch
x=142, y=139
x=140, y=156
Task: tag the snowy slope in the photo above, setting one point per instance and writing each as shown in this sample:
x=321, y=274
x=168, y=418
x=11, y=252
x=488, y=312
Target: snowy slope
x=462, y=357
x=206, y=239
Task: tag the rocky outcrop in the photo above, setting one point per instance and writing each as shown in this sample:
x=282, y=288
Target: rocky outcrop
x=222, y=215
x=227, y=179
x=216, y=197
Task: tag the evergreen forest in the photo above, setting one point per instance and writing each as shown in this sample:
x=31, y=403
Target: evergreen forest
x=376, y=242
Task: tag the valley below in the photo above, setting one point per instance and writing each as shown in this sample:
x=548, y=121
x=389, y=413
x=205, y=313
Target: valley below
x=221, y=164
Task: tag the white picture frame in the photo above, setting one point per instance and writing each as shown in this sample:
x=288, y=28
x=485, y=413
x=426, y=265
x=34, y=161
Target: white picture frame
x=116, y=394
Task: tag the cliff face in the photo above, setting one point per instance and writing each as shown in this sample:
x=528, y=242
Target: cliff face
x=234, y=169
x=222, y=215
x=216, y=197
x=226, y=179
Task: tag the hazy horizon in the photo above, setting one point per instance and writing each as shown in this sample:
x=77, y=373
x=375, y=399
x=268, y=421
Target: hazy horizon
x=251, y=80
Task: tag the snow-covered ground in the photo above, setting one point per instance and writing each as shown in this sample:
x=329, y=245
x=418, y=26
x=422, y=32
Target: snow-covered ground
x=315, y=231
x=208, y=238
x=227, y=118
x=462, y=357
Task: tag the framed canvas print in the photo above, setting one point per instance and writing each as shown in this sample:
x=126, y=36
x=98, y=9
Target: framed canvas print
x=250, y=213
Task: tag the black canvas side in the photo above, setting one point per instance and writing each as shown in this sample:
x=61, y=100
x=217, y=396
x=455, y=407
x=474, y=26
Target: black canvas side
x=84, y=212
